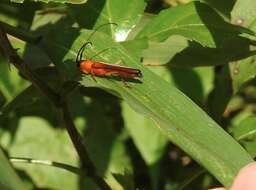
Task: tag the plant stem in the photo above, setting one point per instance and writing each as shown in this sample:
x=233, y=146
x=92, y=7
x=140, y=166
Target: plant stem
x=78, y=142
x=46, y=162
x=10, y=53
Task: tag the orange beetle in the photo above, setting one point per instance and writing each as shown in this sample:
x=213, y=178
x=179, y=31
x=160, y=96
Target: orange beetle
x=96, y=68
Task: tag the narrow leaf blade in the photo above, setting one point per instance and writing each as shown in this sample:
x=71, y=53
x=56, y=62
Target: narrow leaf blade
x=181, y=120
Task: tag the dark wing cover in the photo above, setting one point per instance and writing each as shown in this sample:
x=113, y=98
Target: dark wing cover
x=128, y=70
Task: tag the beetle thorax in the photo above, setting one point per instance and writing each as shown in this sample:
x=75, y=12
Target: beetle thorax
x=86, y=66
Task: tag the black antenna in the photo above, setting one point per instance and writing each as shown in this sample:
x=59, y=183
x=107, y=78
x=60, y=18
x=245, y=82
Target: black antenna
x=98, y=29
x=81, y=50
x=102, y=51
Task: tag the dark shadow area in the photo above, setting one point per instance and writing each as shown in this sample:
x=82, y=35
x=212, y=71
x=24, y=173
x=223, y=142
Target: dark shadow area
x=214, y=23
x=176, y=168
x=221, y=94
x=87, y=14
x=103, y=125
x=141, y=171
x=2, y=100
x=225, y=7
x=197, y=55
x=31, y=102
x=154, y=6
x=9, y=124
x=23, y=12
x=188, y=81
x=40, y=54
x=26, y=178
x=94, y=92
x=35, y=57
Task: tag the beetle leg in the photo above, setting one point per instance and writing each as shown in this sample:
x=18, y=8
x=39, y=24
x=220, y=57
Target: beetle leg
x=125, y=83
x=93, y=75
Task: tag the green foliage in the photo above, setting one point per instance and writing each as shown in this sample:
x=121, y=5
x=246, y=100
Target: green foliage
x=47, y=144
x=243, y=14
x=54, y=1
x=195, y=21
x=9, y=179
x=155, y=132
x=244, y=132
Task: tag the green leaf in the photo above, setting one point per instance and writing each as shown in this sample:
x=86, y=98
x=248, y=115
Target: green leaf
x=54, y=1
x=11, y=83
x=201, y=82
x=177, y=51
x=246, y=129
x=125, y=15
x=136, y=47
x=245, y=133
x=162, y=53
x=253, y=26
x=8, y=178
x=44, y=142
x=195, y=21
x=244, y=13
x=181, y=120
x=240, y=117
x=242, y=71
x=140, y=129
x=250, y=147
x=99, y=123
x=16, y=14
x=144, y=20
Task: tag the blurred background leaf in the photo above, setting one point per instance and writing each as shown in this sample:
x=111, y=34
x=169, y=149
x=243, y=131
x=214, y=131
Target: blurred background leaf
x=37, y=139
x=54, y=1
x=11, y=83
x=8, y=177
x=243, y=13
x=245, y=132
